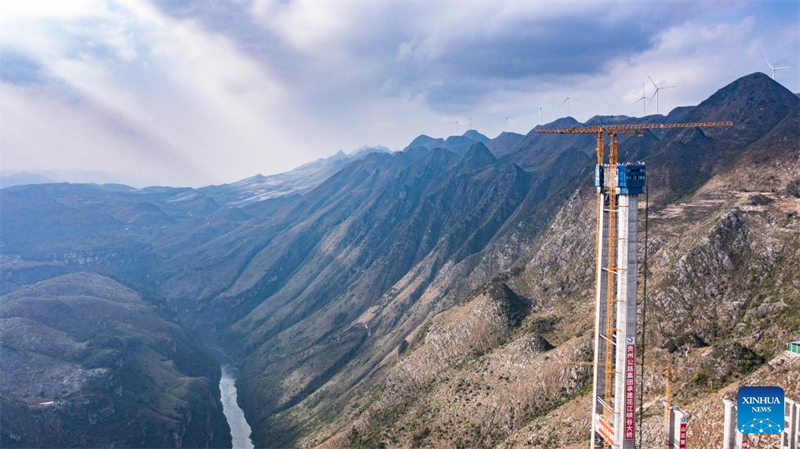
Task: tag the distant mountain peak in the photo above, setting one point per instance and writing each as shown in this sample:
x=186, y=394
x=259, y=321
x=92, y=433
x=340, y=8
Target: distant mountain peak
x=458, y=144
x=476, y=136
x=607, y=119
x=365, y=150
x=478, y=156
x=303, y=178
x=453, y=139
x=562, y=122
x=756, y=77
x=751, y=88
x=754, y=103
x=426, y=141
x=508, y=133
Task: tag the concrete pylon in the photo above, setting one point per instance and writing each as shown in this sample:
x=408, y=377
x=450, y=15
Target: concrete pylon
x=790, y=439
x=729, y=429
x=625, y=376
x=600, y=324
x=619, y=431
x=677, y=427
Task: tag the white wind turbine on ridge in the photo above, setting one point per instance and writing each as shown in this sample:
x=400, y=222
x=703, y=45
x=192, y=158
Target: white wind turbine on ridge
x=658, y=89
x=566, y=100
x=643, y=99
x=774, y=69
x=540, y=113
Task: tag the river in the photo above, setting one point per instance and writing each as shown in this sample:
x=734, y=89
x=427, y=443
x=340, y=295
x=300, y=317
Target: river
x=240, y=429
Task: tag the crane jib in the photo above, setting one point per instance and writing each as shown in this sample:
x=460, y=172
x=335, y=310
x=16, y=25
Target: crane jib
x=612, y=129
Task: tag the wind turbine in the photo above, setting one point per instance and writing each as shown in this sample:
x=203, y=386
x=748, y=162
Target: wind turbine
x=505, y=128
x=658, y=89
x=456, y=123
x=567, y=100
x=643, y=98
x=774, y=69
x=540, y=113
x=470, y=122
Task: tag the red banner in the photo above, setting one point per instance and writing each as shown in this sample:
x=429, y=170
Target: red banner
x=605, y=430
x=630, y=389
x=682, y=436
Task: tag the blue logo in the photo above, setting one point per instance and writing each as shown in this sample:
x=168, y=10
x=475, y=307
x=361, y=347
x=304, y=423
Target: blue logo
x=760, y=410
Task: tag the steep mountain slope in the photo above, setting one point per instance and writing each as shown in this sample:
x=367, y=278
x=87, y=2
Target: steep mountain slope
x=724, y=298
x=362, y=260
x=488, y=379
x=377, y=241
x=755, y=103
x=344, y=355
x=303, y=178
x=503, y=143
x=88, y=362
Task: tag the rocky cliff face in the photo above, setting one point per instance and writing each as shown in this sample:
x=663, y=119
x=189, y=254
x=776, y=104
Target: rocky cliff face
x=723, y=300
x=88, y=362
x=476, y=372
x=732, y=233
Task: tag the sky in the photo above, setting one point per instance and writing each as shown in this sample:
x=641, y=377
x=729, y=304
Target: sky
x=198, y=92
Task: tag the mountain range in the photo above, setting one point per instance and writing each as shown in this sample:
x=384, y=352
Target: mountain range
x=420, y=298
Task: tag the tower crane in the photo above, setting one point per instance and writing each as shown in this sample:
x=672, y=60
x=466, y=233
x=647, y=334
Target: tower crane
x=615, y=427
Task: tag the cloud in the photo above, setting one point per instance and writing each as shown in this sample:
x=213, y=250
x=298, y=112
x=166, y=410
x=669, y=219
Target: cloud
x=188, y=92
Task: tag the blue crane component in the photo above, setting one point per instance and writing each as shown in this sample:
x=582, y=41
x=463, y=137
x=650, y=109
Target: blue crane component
x=599, y=176
x=630, y=179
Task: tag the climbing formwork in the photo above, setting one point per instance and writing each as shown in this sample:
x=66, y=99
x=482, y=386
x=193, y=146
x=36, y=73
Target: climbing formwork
x=618, y=188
